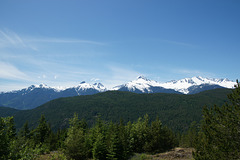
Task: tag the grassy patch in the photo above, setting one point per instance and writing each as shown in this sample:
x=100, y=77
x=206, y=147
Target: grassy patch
x=175, y=154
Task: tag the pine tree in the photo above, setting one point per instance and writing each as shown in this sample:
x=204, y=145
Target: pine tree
x=4, y=140
x=219, y=137
x=159, y=138
x=139, y=132
x=7, y=138
x=75, y=143
x=25, y=131
x=42, y=131
x=10, y=127
x=190, y=138
x=99, y=150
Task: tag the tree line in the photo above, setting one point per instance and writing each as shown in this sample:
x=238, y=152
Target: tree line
x=105, y=140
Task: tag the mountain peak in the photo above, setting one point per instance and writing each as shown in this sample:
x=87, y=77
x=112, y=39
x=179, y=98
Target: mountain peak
x=100, y=87
x=42, y=85
x=82, y=82
x=143, y=77
x=98, y=84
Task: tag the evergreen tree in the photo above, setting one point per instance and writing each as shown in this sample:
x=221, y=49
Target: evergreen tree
x=99, y=150
x=4, y=140
x=139, y=134
x=10, y=127
x=75, y=143
x=126, y=140
x=155, y=137
x=219, y=137
x=42, y=131
x=25, y=131
x=159, y=138
x=190, y=138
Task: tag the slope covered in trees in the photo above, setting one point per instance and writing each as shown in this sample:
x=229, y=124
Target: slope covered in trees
x=174, y=110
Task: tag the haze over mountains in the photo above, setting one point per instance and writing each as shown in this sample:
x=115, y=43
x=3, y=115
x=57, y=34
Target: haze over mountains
x=37, y=95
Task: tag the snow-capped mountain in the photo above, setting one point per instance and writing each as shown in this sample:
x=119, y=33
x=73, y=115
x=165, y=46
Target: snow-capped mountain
x=83, y=86
x=86, y=89
x=36, y=95
x=144, y=85
x=185, y=85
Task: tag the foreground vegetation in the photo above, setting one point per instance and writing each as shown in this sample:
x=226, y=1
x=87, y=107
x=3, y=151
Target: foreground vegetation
x=103, y=141
x=216, y=137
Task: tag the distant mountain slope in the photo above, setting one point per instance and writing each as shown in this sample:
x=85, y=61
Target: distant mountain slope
x=175, y=110
x=37, y=95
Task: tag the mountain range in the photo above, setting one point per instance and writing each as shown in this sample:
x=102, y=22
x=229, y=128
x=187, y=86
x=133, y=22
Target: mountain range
x=183, y=86
x=36, y=95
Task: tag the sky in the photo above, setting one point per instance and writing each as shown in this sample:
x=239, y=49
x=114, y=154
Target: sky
x=64, y=42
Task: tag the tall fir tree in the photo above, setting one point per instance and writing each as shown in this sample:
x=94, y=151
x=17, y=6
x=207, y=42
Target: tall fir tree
x=42, y=131
x=219, y=137
x=75, y=143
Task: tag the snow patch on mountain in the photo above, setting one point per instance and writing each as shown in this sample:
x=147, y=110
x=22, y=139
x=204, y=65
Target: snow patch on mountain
x=85, y=86
x=182, y=85
x=141, y=83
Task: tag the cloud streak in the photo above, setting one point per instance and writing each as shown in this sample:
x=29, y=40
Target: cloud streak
x=9, y=71
x=9, y=39
x=179, y=43
x=63, y=40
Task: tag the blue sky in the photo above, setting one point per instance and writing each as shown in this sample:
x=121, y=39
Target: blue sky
x=64, y=42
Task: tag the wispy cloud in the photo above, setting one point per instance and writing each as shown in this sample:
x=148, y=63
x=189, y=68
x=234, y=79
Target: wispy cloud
x=179, y=43
x=9, y=71
x=63, y=40
x=9, y=39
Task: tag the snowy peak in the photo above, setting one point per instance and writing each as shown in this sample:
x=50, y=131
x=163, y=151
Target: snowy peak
x=186, y=86
x=83, y=86
x=182, y=85
x=142, y=78
x=142, y=85
x=33, y=87
x=100, y=87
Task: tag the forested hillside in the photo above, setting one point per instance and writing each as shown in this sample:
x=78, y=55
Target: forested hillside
x=174, y=110
x=6, y=111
